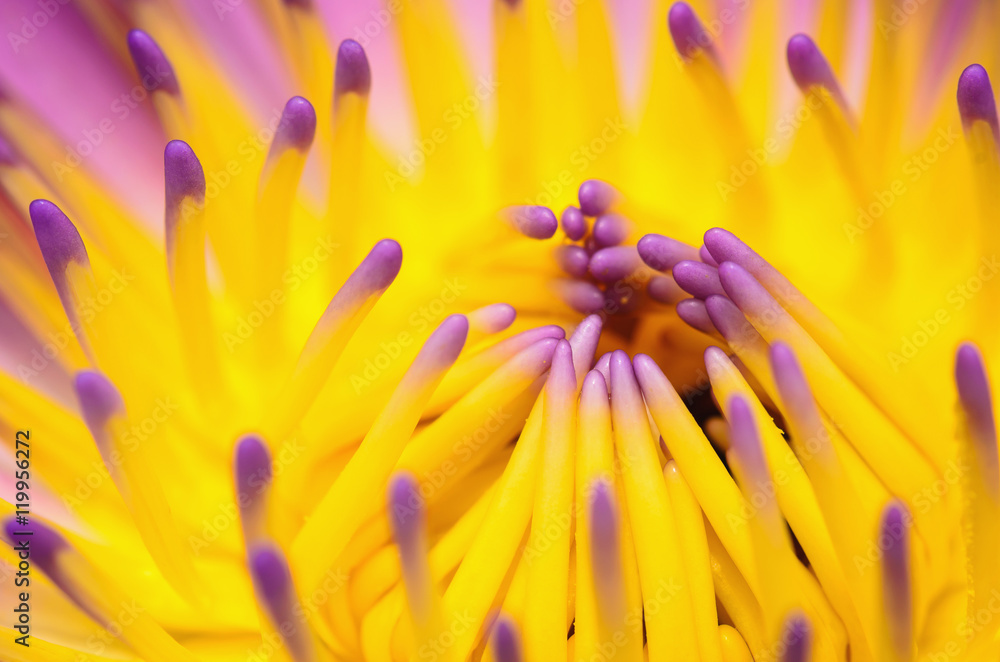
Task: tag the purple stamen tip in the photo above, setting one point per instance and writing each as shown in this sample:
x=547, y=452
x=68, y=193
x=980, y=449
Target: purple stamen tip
x=797, y=639
x=614, y=263
x=98, y=397
x=603, y=366
x=534, y=221
x=583, y=344
x=726, y=317
x=406, y=509
x=662, y=253
x=57, y=237
x=610, y=230
x=663, y=289
x=582, y=296
x=353, y=74
x=539, y=353
x=898, y=600
x=894, y=517
x=706, y=256
x=698, y=279
x=506, y=642
x=271, y=577
x=784, y=364
x=595, y=382
x=492, y=318
x=273, y=585
x=806, y=62
x=299, y=4
x=44, y=543
x=183, y=178
x=810, y=69
x=975, y=98
x=745, y=290
x=152, y=65
x=895, y=529
x=573, y=259
x=585, y=337
x=253, y=466
x=793, y=386
x=694, y=313
x=573, y=223
x=724, y=246
x=974, y=387
x=645, y=367
x=596, y=197
x=381, y=266
x=563, y=373
x=970, y=375
x=503, y=314
x=297, y=127
x=447, y=341
x=183, y=174
x=623, y=384
x=687, y=31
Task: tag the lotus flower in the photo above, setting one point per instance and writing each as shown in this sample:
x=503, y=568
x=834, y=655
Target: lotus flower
x=444, y=338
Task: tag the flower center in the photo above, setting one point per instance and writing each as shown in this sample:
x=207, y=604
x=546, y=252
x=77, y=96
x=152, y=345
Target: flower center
x=649, y=291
